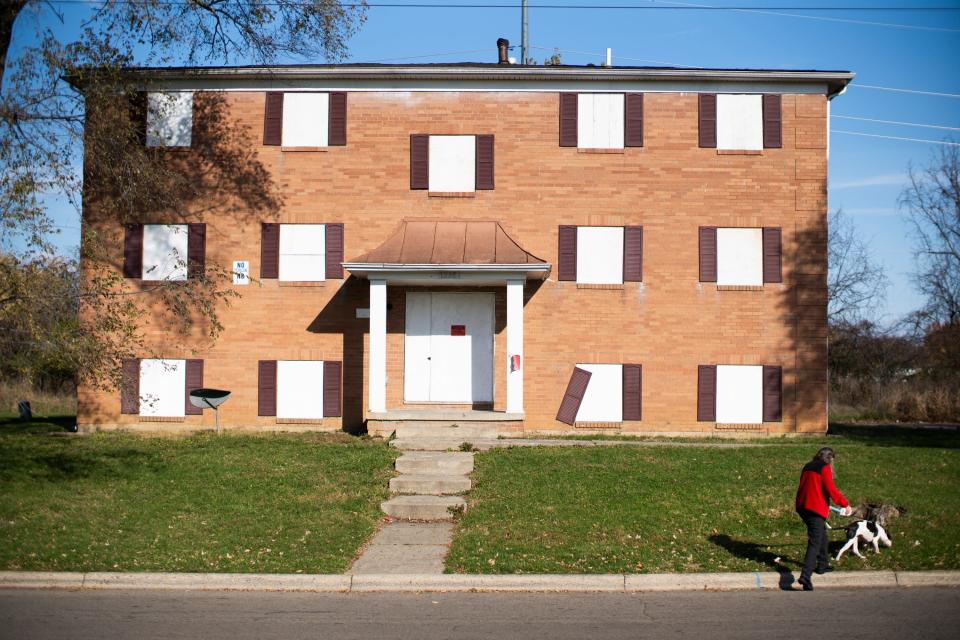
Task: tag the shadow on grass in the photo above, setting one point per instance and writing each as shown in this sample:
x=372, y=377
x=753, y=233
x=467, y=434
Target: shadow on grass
x=944, y=436
x=756, y=553
x=51, y=424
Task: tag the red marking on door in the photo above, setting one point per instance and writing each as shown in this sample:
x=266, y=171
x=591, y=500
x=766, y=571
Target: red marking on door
x=458, y=329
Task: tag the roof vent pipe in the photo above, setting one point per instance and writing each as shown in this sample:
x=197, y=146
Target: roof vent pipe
x=502, y=45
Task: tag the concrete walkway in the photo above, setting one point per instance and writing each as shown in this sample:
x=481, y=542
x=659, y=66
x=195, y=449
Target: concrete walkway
x=406, y=548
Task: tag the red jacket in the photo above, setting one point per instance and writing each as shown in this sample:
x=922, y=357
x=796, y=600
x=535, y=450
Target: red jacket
x=817, y=489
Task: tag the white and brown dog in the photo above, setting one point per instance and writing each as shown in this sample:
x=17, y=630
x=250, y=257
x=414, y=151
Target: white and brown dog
x=868, y=532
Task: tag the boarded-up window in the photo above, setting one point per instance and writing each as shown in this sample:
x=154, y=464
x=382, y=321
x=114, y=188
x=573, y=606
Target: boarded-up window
x=306, y=119
x=739, y=122
x=739, y=257
x=739, y=394
x=162, y=387
x=165, y=251
x=600, y=121
x=303, y=252
x=603, y=398
x=300, y=389
x=600, y=255
x=453, y=163
x=169, y=119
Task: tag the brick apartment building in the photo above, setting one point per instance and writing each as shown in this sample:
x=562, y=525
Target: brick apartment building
x=557, y=249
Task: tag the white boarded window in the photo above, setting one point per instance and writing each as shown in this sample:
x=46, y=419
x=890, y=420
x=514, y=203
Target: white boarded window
x=740, y=257
x=163, y=388
x=739, y=122
x=169, y=119
x=600, y=120
x=603, y=400
x=300, y=389
x=165, y=251
x=303, y=252
x=305, y=119
x=453, y=161
x=739, y=394
x=600, y=255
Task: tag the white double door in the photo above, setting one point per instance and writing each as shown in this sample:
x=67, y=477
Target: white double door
x=448, y=348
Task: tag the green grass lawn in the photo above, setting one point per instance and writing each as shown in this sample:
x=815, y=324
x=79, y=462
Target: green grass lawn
x=115, y=502
x=639, y=510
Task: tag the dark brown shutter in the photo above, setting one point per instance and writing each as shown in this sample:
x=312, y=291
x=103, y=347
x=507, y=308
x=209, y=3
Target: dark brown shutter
x=633, y=120
x=337, y=119
x=334, y=251
x=708, y=120
x=632, y=391
x=707, y=393
x=772, y=122
x=194, y=380
x=772, y=394
x=568, y=119
x=269, y=250
x=138, y=117
x=573, y=396
x=273, y=119
x=772, y=252
x=484, y=162
x=419, y=161
x=708, y=254
x=567, y=254
x=267, y=388
x=332, y=404
x=130, y=386
x=133, y=251
x=633, y=254
x=196, y=250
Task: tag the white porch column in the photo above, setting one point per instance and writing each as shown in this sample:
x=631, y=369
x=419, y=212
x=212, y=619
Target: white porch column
x=515, y=345
x=377, y=382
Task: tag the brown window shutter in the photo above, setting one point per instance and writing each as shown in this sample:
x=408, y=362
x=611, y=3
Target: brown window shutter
x=269, y=250
x=772, y=121
x=138, y=117
x=337, y=119
x=708, y=120
x=133, y=251
x=194, y=380
x=772, y=255
x=633, y=254
x=273, y=119
x=632, y=391
x=568, y=119
x=567, y=255
x=267, y=388
x=633, y=120
x=708, y=254
x=707, y=393
x=419, y=161
x=334, y=251
x=130, y=386
x=196, y=250
x=573, y=396
x=484, y=162
x=332, y=389
x=772, y=394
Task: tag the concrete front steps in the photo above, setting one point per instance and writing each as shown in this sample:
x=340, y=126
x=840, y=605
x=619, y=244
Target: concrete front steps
x=436, y=484
x=432, y=437
x=421, y=507
x=416, y=462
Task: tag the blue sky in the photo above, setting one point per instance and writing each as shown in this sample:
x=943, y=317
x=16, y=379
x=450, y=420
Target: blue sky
x=866, y=174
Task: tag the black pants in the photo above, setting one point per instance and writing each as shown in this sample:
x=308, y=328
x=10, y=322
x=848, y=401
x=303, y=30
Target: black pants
x=818, y=555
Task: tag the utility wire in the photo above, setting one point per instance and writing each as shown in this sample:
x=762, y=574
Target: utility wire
x=680, y=6
x=897, y=122
x=875, y=135
x=917, y=91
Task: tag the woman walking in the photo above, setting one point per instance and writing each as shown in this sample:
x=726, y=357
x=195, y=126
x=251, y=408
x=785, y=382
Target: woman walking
x=813, y=505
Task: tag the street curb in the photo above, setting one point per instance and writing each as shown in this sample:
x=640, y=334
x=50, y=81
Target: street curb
x=610, y=583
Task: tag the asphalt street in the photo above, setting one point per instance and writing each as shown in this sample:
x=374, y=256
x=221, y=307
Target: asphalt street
x=872, y=614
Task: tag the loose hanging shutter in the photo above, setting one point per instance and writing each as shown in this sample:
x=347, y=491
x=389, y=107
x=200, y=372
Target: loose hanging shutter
x=484, y=177
x=576, y=388
x=196, y=250
x=707, y=393
x=273, y=119
x=138, y=117
x=633, y=120
x=130, y=386
x=419, y=161
x=334, y=251
x=267, y=388
x=194, y=380
x=708, y=254
x=708, y=120
x=269, y=250
x=772, y=121
x=633, y=254
x=772, y=252
x=332, y=389
x=337, y=119
x=632, y=391
x=568, y=119
x=567, y=255
x=133, y=251
x=772, y=394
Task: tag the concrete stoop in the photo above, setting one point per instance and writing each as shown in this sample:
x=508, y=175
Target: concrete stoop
x=424, y=507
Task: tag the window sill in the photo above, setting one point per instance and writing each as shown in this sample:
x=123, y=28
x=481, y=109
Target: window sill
x=162, y=418
x=302, y=283
x=452, y=194
x=739, y=427
x=608, y=287
x=600, y=151
x=304, y=149
x=597, y=425
x=739, y=152
x=170, y=149
x=299, y=421
x=739, y=287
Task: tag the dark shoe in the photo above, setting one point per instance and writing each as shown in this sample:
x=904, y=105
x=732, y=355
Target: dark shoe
x=822, y=570
x=806, y=584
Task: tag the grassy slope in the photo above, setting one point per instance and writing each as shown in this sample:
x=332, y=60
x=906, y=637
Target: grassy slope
x=236, y=503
